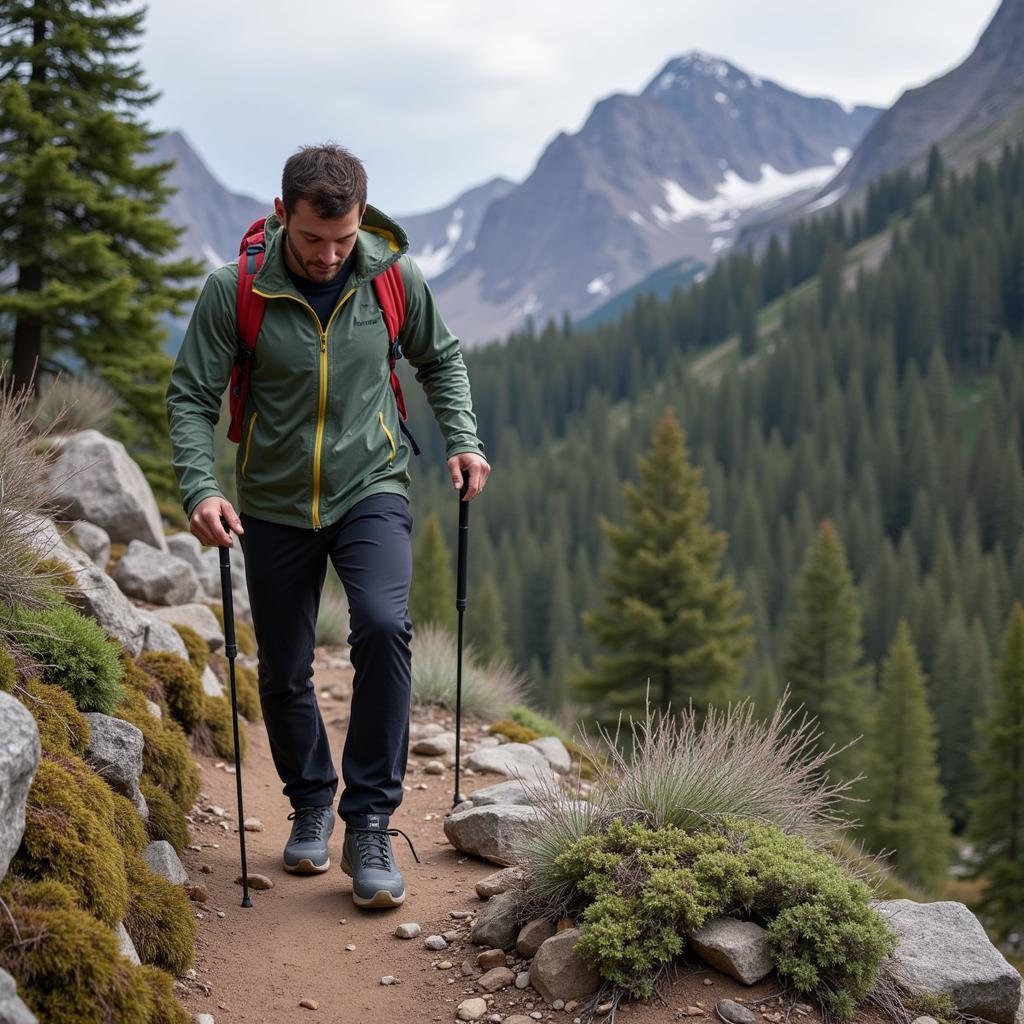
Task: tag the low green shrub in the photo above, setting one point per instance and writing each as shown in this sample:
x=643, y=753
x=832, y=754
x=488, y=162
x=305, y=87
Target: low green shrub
x=73, y=652
x=63, y=729
x=181, y=685
x=159, y=919
x=197, y=647
x=166, y=818
x=642, y=890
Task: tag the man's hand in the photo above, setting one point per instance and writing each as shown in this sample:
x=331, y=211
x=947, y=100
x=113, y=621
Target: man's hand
x=206, y=522
x=478, y=467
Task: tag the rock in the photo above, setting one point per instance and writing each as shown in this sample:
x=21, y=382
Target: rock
x=186, y=546
x=253, y=825
x=199, y=617
x=419, y=730
x=522, y=979
x=124, y=941
x=309, y=1004
x=437, y=745
x=555, y=753
x=491, y=958
x=12, y=1009
x=736, y=948
x=512, y=792
x=558, y=972
x=350, y=946
x=152, y=575
x=162, y=860
x=94, y=541
x=924, y=1020
x=508, y=759
x=115, y=752
x=498, y=882
x=212, y=686
x=389, y=979
x=154, y=709
x=203, y=1018
x=435, y=942
x=518, y=1018
x=943, y=949
x=490, y=832
x=472, y=1009
x=407, y=931
x=434, y=768
x=95, y=479
x=496, y=926
x=734, y=1013
x=460, y=915
x=19, y=758
x=496, y=979
x=197, y=892
x=259, y=882
x=161, y=636
x=532, y=934
x=558, y=1004
x=469, y=969
x=445, y=965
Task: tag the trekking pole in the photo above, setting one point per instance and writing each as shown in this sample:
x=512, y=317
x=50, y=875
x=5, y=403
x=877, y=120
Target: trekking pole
x=230, y=650
x=460, y=604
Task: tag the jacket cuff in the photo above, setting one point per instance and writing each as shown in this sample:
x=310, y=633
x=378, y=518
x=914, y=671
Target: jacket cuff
x=458, y=447
x=189, y=505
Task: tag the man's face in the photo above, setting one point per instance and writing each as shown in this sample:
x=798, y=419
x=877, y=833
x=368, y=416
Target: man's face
x=316, y=247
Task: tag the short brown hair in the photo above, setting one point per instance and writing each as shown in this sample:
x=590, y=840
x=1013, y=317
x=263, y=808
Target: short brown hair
x=328, y=177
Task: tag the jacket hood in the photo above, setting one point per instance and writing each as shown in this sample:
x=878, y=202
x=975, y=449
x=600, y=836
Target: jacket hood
x=379, y=243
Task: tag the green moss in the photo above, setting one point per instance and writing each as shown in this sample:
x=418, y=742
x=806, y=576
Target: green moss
x=117, y=552
x=166, y=818
x=129, y=830
x=159, y=919
x=183, y=690
x=72, y=842
x=247, y=690
x=66, y=964
x=75, y=653
x=166, y=760
x=165, y=1008
x=59, y=575
x=939, y=1006
x=8, y=670
x=62, y=727
x=642, y=891
x=215, y=734
x=148, y=685
x=198, y=651
x=245, y=638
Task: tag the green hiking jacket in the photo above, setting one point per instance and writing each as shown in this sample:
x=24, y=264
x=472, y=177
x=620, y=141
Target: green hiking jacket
x=321, y=427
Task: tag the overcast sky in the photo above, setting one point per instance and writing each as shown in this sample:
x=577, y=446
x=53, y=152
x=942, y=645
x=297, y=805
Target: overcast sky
x=438, y=95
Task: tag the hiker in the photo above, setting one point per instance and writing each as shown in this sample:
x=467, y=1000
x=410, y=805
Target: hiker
x=322, y=473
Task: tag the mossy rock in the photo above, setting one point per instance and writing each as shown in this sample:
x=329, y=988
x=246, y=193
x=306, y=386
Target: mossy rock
x=181, y=685
x=68, y=840
x=166, y=759
x=165, y=1008
x=63, y=729
x=245, y=638
x=73, y=652
x=166, y=818
x=516, y=732
x=129, y=828
x=215, y=734
x=159, y=919
x=68, y=965
x=197, y=647
x=141, y=681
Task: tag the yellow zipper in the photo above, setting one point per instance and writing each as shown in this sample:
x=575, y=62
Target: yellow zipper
x=248, y=443
x=394, y=450
x=322, y=397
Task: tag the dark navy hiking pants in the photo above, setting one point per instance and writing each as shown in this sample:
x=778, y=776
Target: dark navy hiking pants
x=370, y=547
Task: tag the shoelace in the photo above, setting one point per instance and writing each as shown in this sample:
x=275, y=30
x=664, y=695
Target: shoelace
x=310, y=823
x=374, y=846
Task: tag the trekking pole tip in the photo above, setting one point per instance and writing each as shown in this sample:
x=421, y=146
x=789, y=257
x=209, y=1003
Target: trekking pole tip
x=247, y=902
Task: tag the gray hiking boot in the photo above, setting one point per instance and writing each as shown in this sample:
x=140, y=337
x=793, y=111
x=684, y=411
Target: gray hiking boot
x=367, y=856
x=306, y=851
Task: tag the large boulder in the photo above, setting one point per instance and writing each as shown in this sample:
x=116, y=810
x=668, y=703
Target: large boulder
x=156, y=576
x=115, y=751
x=12, y=1009
x=199, y=617
x=19, y=758
x=96, y=479
x=943, y=950
x=736, y=948
x=490, y=832
x=555, y=751
x=511, y=792
x=162, y=636
x=507, y=759
x=558, y=971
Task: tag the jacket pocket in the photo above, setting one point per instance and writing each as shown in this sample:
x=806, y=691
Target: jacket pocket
x=391, y=437
x=248, y=443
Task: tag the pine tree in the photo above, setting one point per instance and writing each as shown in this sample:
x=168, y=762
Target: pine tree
x=667, y=616
x=432, y=596
x=83, y=234
x=997, y=821
x=485, y=622
x=822, y=656
x=904, y=808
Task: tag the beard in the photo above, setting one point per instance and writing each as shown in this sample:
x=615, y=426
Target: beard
x=313, y=271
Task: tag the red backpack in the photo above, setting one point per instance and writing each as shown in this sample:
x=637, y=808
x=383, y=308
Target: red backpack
x=249, y=306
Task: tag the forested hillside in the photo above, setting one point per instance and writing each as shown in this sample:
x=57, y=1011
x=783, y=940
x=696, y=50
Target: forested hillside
x=893, y=407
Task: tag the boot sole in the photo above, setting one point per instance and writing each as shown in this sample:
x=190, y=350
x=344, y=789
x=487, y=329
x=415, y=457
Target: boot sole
x=381, y=898
x=307, y=867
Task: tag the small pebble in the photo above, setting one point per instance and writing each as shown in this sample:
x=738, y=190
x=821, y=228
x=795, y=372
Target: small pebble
x=309, y=1004
x=220, y=913
x=253, y=825
x=435, y=942
x=522, y=979
x=571, y=1005
x=604, y=1008
x=203, y=1018
x=422, y=785
x=389, y=979
x=694, y=1011
x=733, y=1012
x=407, y=931
x=257, y=882
x=350, y=946
x=491, y=958
x=196, y=892
x=434, y=768
x=471, y=1009
x=558, y=1004
x=708, y=981
x=449, y=936
x=445, y=965
x=537, y=1015
x=216, y=811
x=460, y=915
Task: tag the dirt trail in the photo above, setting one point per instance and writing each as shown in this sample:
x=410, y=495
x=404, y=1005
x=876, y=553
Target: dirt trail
x=256, y=965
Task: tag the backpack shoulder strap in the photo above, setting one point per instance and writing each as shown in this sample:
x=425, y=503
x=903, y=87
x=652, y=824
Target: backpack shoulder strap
x=249, y=309
x=389, y=288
